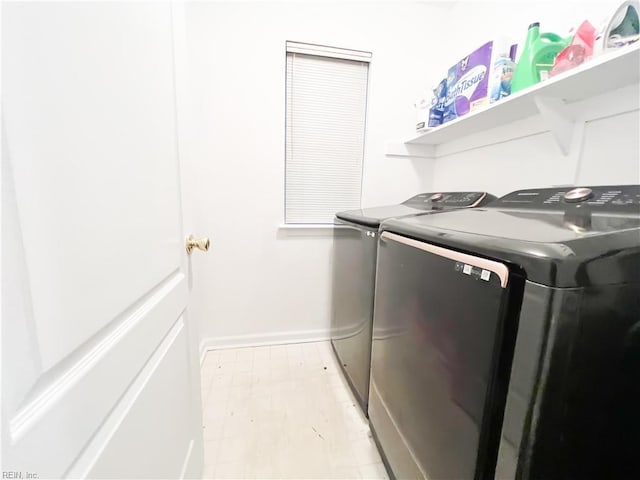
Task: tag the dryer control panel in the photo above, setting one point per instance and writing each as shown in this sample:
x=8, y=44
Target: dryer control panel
x=609, y=198
x=435, y=200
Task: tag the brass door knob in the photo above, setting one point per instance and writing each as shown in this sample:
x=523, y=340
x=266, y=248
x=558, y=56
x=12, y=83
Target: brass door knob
x=200, y=244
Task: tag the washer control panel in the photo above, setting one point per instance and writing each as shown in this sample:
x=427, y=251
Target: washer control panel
x=432, y=200
x=610, y=198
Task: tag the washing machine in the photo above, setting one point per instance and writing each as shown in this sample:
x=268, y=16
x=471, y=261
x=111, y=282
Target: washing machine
x=506, y=339
x=354, y=262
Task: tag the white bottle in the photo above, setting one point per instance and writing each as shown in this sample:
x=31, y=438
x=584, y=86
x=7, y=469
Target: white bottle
x=502, y=66
x=422, y=107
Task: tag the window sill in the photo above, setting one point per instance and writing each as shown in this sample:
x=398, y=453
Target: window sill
x=286, y=230
x=308, y=226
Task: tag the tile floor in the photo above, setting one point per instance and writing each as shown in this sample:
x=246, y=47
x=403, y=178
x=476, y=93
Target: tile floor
x=283, y=412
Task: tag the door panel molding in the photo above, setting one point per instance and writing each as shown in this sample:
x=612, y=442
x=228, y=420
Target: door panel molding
x=44, y=415
x=94, y=156
x=185, y=471
x=85, y=464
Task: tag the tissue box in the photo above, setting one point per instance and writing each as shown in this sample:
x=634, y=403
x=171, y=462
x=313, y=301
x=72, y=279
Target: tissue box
x=468, y=83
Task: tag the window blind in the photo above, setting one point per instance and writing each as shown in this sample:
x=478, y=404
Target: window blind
x=325, y=127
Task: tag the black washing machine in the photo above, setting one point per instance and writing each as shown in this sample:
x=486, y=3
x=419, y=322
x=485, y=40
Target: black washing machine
x=506, y=339
x=355, y=249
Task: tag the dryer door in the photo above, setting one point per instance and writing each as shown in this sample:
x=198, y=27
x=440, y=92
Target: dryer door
x=437, y=335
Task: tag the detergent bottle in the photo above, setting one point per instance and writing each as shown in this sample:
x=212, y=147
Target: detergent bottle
x=538, y=54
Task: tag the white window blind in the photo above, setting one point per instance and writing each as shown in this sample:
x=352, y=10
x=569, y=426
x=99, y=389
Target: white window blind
x=325, y=126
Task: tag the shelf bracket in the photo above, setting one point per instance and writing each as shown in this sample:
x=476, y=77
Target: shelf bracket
x=561, y=122
x=567, y=129
x=409, y=150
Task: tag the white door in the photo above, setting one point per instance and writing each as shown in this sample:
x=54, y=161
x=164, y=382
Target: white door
x=99, y=370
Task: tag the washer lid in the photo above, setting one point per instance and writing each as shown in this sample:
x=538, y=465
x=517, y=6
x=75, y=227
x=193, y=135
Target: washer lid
x=559, y=243
x=421, y=204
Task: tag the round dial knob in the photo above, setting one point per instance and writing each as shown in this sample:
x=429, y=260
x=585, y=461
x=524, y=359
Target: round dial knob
x=436, y=197
x=578, y=195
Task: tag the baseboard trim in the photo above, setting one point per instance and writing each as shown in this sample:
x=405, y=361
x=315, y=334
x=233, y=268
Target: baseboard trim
x=259, y=340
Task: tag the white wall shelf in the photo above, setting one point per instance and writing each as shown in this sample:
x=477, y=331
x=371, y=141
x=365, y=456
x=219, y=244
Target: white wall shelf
x=553, y=100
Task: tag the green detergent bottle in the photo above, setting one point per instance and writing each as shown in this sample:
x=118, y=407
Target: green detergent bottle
x=536, y=60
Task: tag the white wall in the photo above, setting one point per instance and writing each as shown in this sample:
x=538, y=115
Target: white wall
x=610, y=153
x=610, y=156
x=259, y=282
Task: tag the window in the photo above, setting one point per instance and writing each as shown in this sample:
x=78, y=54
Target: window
x=325, y=125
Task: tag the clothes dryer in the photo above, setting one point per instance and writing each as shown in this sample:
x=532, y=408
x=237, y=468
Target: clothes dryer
x=506, y=339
